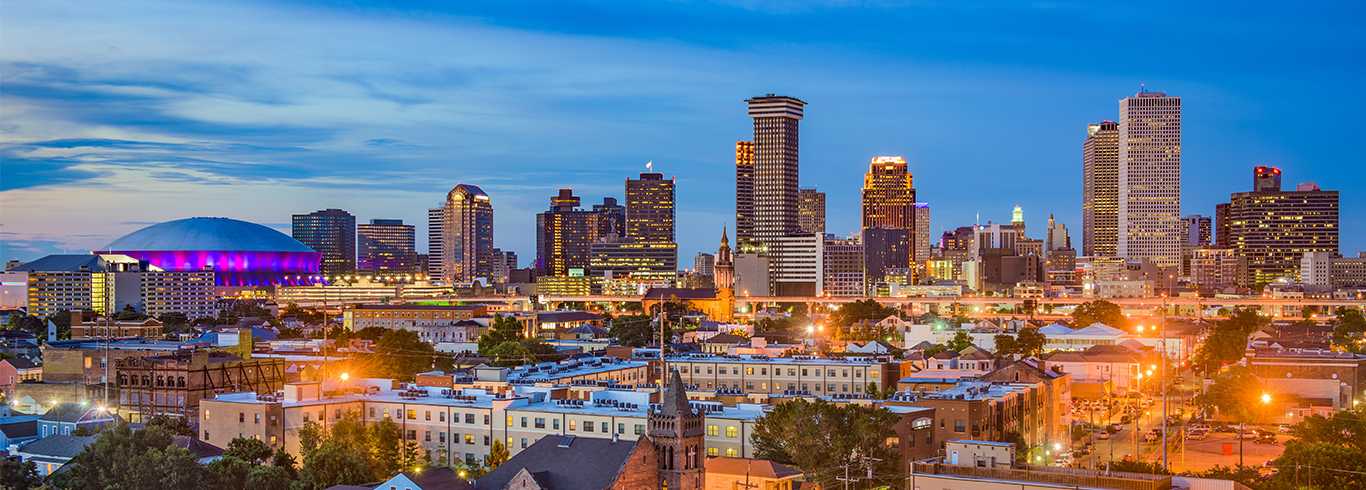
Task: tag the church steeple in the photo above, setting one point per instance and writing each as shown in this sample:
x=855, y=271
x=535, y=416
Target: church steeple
x=676, y=431
x=724, y=270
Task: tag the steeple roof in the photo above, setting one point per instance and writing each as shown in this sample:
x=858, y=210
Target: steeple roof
x=675, y=398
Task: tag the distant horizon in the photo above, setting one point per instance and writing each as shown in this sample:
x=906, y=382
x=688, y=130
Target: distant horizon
x=116, y=117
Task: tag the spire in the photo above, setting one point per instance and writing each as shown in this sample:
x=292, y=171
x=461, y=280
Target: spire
x=724, y=240
x=675, y=398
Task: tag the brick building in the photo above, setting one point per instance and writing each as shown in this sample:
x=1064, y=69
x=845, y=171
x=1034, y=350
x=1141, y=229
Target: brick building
x=174, y=384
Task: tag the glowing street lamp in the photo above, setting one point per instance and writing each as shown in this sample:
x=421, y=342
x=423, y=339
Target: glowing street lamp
x=345, y=376
x=1266, y=398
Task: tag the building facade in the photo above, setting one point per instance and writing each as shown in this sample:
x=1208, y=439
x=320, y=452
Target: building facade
x=1273, y=229
x=466, y=234
x=811, y=210
x=436, y=240
x=1150, y=178
x=1100, y=189
x=331, y=232
x=386, y=247
x=921, y=245
x=650, y=209
x=842, y=270
x=174, y=384
x=775, y=173
x=744, y=192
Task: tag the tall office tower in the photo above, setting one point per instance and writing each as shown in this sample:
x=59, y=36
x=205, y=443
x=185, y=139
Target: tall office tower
x=614, y=216
x=467, y=235
x=885, y=248
x=331, y=232
x=922, y=232
x=1057, y=238
x=1195, y=230
x=1266, y=179
x=1150, y=178
x=1222, y=227
x=811, y=210
x=1017, y=220
x=842, y=267
x=650, y=209
x=1273, y=229
x=1100, y=189
x=435, y=217
x=888, y=195
x=744, y=192
x=566, y=234
x=775, y=165
x=704, y=263
x=500, y=269
x=386, y=247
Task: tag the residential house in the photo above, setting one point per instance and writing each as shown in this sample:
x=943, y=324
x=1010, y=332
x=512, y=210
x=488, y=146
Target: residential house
x=18, y=370
x=51, y=452
x=1116, y=364
x=18, y=430
x=760, y=474
x=65, y=418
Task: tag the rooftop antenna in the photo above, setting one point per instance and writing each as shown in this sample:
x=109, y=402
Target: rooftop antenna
x=1142, y=88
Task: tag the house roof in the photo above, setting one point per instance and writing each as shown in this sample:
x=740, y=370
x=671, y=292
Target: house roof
x=946, y=354
x=58, y=446
x=761, y=468
x=924, y=344
x=20, y=363
x=65, y=263
x=976, y=355
x=588, y=329
x=726, y=338
x=1099, y=329
x=566, y=316
x=565, y=463
x=20, y=429
x=443, y=478
x=199, y=448
x=66, y=412
x=1055, y=329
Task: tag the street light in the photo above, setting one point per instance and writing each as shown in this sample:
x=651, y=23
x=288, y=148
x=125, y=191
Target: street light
x=1266, y=398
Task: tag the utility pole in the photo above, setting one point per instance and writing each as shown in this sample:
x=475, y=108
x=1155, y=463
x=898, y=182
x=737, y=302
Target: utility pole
x=1163, y=341
x=846, y=478
x=747, y=485
x=867, y=463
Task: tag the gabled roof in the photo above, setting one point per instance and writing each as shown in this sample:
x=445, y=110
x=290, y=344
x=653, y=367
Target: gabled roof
x=566, y=316
x=924, y=344
x=760, y=468
x=587, y=329
x=67, y=412
x=58, y=446
x=199, y=448
x=566, y=463
x=946, y=354
x=443, y=478
x=20, y=363
x=1099, y=329
x=726, y=338
x=1055, y=329
x=976, y=355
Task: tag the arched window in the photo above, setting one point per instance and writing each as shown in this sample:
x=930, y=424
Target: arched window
x=161, y=381
x=146, y=381
x=180, y=382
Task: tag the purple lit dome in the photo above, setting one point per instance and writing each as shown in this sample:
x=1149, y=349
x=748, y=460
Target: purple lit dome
x=240, y=253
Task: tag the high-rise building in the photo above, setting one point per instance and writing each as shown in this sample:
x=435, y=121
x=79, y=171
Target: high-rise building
x=614, y=258
x=386, y=246
x=1195, y=230
x=704, y=263
x=650, y=209
x=888, y=195
x=467, y=235
x=744, y=192
x=1266, y=179
x=1017, y=220
x=565, y=235
x=331, y=232
x=1222, y=225
x=435, y=238
x=775, y=165
x=1216, y=267
x=811, y=210
x=1100, y=189
x=922, y=232
x=1057, y=235
x=1273, y=229
x=885, y=248
x=614, y=216
x=1150, y=178
x=842, y=269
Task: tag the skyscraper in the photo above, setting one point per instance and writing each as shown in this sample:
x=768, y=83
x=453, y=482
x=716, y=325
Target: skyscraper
x=1017, y=220
x=744, y=192
x=650, y=209
x=613, y=216
x=565, y=235
x=1266, y=179
x=922, y=232
x=1195, y=230
x=331, y=232
x=1057, y=235
x=467, y=235
x=1150, y=178
x=386, y=247
x=704, y=263
x=888, y=199
x=1272, y=229
x=811, y=210
x=1222, y=226
x=775, y=165
x=435, y=240
x=1100, y=189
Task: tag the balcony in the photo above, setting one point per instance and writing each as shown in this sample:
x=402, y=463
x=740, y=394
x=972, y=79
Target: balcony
x=1071, y=477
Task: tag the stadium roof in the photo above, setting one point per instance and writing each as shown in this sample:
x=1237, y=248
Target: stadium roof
x=207, y=234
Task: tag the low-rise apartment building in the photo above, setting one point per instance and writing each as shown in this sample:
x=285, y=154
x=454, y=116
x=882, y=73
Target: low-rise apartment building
x=174, y=384
x=408, y=316
x=822, y=376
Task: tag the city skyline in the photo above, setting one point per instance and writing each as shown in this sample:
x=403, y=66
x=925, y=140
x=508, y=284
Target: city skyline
x=110, y=170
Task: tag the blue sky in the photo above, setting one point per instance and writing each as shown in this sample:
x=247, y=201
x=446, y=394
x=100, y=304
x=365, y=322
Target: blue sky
x=117, y=115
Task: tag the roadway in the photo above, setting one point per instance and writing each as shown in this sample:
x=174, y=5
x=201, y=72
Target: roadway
x=992, y=301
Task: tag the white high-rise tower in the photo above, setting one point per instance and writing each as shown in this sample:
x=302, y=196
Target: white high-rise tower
x=1150, y=178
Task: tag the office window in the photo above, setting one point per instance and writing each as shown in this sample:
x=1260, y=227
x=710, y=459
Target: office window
x=709, y=370
x=272, y=440
x=732, y=453
x=721, y=370
x=713, y=430
x=696, y=369
x=412, y=435
x=858, y=374
x=258, y=418
x=844, y=373
x=792, y=386
x=731, y=431
x=469, y=439
x=206, y=415
x=509, y=421
x=555, y=424
x=441, y=438
x=749, y=370
x=805, y=388
x=372, y=412
x=763, y=386
x=830, y=387
x=336, y=414
x=412, y=415
x=206, y=433
x=540, y=423
x=621, y=428
x=711, y=451
x=791, y=372
x=830, y=373
x=241, y=417
x=804, y=372
x=749, y=385
x=487, y=441
x=640, y=429
x=588, y=426
x=386, y=412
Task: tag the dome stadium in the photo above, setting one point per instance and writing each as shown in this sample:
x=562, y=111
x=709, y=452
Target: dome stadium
x=240, y=253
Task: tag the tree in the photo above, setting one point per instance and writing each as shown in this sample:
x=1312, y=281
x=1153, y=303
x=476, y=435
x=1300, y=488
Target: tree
x=498, y=454
x=503, y=329
x=311, y=315
x=230, y=471
x=1249, y=476
x=960, y=341
x=286, y=461
x=818, y=437
x=1030, y=342
x=175, y=426
x=1132, y=466
x=332, y=464
x=1227, y=342
x=251, y=450
x=632, y=330
x=1006, y=345
x=121, y=458
x=270, y=478
x=30, y=324
x=387, y=441
x=1098, y=311
x=1347, y=332
x=1345, y=428
x=401, y=354
x=16, y=475
x=1236, y=393
x=867, y=309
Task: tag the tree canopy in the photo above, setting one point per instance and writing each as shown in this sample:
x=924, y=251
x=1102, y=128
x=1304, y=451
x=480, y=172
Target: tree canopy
x=122, y=458
x=867, y=309
x=1227, y=342
x=1099, y=311
x=632, y=330
x=819, y=437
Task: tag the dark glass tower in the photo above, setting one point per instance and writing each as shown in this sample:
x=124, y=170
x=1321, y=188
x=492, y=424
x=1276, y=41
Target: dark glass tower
x=386, y=247
x=331, y=232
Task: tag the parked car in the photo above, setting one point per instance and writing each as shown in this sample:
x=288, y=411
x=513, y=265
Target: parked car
x=1265, y=439
x=1226, y=428
x=1249, y=435
x=1204, y=427
x=1103, y=436
x=1198, y=435
x=1126, y=419
x=1152, y=436
x=1284, y=429
x=1114, y=428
